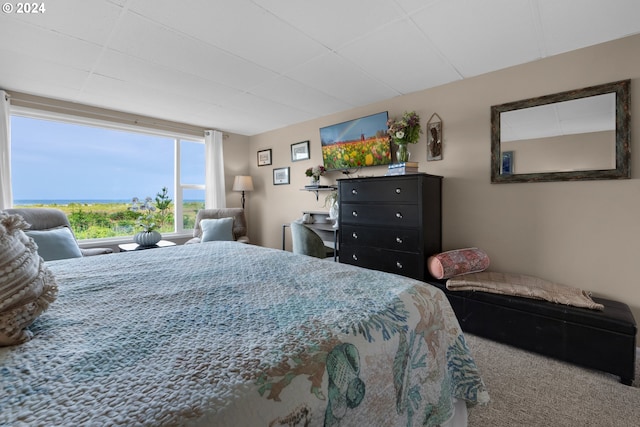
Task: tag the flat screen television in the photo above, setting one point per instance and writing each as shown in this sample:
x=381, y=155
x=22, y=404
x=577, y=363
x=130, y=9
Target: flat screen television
x=356, y=143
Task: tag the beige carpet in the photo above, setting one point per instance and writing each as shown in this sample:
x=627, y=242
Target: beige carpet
x=531, y=390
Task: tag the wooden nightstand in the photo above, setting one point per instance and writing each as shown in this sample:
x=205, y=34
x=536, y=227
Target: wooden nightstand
x=127, y=247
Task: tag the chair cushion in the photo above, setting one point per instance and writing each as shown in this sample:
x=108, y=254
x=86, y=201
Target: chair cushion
x=55, y=243
x=217, y=229
x=27, y=286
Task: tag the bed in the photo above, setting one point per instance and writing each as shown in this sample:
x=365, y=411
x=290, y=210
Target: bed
x=230, y=334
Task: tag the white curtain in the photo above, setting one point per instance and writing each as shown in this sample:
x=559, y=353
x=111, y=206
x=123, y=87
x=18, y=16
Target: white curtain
x=215, y=195
x=6, y=197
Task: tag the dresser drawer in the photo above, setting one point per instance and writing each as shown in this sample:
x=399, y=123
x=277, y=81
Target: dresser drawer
x=401, y=239
x=388, y=216
x=381, y=190
x=403, y=263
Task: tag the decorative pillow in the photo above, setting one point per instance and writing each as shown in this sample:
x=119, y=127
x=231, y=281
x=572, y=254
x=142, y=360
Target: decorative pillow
x=457, y=262
x=217, y=229
x=523, y=286
x=27, y=287
x=55, y=243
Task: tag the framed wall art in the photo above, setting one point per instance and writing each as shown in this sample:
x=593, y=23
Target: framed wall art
x=434, y=138
x=300, y=151
x=264, y=157
x=281, y=176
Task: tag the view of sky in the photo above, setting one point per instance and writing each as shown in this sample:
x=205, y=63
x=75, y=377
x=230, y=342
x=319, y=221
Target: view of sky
x=53, y=161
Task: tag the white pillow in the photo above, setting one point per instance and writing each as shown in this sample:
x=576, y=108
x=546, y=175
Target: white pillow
x=217, y=229
x=55, y=243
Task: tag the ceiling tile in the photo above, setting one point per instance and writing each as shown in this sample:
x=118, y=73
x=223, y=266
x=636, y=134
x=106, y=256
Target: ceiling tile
x=400, y=56
x=335, y=22
x=92, y=20
x=478, y=37
x=43, y=44
x=341, y=79
x=289, y=92
x=155, y=43
x=590, y=22
x=241, y=27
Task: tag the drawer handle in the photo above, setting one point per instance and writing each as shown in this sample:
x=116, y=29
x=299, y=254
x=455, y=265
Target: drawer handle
x=354, y=235
x=398, y=240
x=399, y=265
x=398, y=190
x=354, y=213
x=354, y=191
x=355, y=257
x=399, y=215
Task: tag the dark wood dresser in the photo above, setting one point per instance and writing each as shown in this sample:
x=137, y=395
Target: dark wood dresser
x=391, y=223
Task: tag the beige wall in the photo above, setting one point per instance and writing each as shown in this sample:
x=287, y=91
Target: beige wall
x=585, y=234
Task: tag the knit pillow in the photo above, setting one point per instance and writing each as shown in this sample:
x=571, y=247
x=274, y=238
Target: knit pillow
x=27, y=287
x=457, y=262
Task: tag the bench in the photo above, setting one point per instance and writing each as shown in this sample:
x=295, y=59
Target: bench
x=602, y=340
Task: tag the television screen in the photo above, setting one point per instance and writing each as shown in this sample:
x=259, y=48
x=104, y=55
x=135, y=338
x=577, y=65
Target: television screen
x=356, y=143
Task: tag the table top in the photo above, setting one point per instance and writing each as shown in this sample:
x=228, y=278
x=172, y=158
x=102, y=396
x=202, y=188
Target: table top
x=126, y=247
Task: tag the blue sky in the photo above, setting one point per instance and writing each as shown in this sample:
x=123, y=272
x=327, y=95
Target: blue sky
x=53, y=160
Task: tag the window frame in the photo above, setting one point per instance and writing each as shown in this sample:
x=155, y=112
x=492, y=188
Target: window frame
x=178, y=137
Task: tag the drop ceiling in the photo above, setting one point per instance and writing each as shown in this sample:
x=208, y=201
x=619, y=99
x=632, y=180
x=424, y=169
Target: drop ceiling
x=250, y=66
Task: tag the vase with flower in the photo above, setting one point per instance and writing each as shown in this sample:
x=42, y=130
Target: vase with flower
x=315, y=173
x=404, y=131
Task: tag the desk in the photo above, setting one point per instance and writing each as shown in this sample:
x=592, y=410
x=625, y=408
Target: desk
x=126, y=247
x=323, y=230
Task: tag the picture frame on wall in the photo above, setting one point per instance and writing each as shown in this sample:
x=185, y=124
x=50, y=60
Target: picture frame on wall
x=281, y=176
x=264, y=157
x=434, y=138
x=300, y=151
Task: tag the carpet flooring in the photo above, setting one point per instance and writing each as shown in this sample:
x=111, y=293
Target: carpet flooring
x=527, y=389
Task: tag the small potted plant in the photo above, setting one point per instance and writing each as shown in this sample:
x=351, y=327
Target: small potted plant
x=149, y=220
x=315, y=173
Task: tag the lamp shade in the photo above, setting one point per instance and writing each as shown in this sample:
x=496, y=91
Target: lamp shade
x=242, y=183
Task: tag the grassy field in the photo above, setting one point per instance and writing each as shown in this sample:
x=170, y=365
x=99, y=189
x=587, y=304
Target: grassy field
x=100, y=220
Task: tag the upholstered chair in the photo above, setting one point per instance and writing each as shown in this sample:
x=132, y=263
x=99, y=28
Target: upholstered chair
x=305, y=241
x=45, y=219
x=239, y=228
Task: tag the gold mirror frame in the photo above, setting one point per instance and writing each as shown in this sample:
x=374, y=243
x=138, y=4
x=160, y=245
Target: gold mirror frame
x=623, y=138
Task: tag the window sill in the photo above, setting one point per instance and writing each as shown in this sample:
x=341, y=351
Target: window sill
x=115, y=241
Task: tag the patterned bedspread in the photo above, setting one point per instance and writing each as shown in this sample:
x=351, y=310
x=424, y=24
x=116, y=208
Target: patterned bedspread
x=229, y=334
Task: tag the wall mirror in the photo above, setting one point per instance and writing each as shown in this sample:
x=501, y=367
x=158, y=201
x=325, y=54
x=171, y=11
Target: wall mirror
x=581, y=134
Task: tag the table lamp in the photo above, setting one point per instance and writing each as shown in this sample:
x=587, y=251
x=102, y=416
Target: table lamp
x=242, y=183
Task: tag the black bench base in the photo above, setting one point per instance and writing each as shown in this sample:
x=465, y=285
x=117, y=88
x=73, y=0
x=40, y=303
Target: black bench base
x=602, y=340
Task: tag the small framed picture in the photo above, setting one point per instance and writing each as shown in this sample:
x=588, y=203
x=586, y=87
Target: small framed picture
x=264, y=157
x=300, y=151
x=507, y=163
x=434, y=138
x=281, y=176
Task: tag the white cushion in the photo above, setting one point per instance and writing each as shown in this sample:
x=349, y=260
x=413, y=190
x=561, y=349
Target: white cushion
x=55, y=243
x=217, y=229
x=27, y=287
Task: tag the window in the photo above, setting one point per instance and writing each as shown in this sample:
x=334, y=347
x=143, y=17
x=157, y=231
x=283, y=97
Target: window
x=93, y=171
